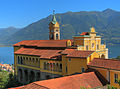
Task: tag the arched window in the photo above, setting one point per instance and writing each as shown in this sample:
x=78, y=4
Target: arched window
x=97, y=46
x=18, y=59
x=26, y=75
x=36, y=60
x=54, y=67
x=87, y=47
x=103, y=56
x=45, y=66
x=33, y=60
x=60, y=67
x=51, y=66
x=57, y=67
x=21, y=60
x=56, y=36
x=26, y=60
x=38, y=76
x=20, y=75
x=32, y=76
x=92, y=44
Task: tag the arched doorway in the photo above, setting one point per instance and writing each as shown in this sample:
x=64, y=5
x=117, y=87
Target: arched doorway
x=48, y=77
x=32, y=76
x=103, y=56
x=20, y=75
x=38, y=76
x=26, y=75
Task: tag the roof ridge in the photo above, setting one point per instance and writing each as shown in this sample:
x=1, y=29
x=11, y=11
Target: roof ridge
x=106, y=59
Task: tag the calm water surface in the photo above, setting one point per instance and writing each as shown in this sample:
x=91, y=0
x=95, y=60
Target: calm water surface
x=7, y=53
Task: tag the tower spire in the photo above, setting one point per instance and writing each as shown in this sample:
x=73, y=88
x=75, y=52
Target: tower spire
x=54, y=19
x=54, y=29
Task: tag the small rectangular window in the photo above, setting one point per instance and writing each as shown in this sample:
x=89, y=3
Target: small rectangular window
x=92, y=44
x=69, y=59
x=115, y=78
x=66, y=69
x=83, y=69
x=45, y=65
x=87, y=47
x=98, y=47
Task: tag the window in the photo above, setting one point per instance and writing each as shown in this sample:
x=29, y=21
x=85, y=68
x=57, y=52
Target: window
x=18, y=60
x=56, y=36
x=92, y=44
x=83, y=69
x=37, y=60
x=86, y=47
x=98, y=47
x=60, y=66
x=33, y=60
x=69, y=59
x=66, y=69
x=21, y=60
x=52, y=36
x=45, y=65
x=26, y=58
x=51, y=66
x=115, y=78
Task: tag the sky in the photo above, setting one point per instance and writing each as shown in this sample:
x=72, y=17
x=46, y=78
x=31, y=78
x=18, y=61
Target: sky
x=20, y=13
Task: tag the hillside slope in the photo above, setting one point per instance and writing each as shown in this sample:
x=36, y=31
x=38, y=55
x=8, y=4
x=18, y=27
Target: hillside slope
x=107, y=24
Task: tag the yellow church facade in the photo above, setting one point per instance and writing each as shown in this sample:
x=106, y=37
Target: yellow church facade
x=91, y=41
x=44, y=59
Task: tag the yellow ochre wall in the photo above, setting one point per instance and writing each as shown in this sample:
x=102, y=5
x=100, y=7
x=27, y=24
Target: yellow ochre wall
x=76, y=64
x=112, y=72
x=104, y=72
x=39, y=65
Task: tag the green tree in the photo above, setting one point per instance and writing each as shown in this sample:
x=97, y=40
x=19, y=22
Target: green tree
x=12, y=81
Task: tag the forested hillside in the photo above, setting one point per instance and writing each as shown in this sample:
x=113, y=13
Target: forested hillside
x=107, y=24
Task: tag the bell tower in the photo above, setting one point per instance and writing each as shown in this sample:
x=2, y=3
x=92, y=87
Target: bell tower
x=54, y=29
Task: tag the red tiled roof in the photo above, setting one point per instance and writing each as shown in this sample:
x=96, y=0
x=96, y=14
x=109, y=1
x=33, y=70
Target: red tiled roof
x=77, y=53
x=43, y=43
x=105, y=63
x=87, y=80
x=84, y=33
x=16, y=87
x=39, y=52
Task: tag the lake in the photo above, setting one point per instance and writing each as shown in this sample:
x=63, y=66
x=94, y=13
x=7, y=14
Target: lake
x=7, y=53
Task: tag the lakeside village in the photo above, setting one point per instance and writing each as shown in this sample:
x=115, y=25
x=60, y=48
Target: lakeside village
x=6, y=67
x=78, y=63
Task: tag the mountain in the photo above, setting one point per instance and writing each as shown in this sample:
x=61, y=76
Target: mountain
x=6, y=32
x=107, y=24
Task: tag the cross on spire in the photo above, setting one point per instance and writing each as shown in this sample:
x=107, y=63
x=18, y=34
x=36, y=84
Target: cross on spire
x=53, y=12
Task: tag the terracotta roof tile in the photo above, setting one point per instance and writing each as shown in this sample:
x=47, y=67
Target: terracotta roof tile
x=16, y=87
x=84, y=33
x=43, y=43
x=77, y=53
x=105, y=63
x=87, y=80
x=39, y=52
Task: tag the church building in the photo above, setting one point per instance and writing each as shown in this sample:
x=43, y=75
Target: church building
x=36, y=60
